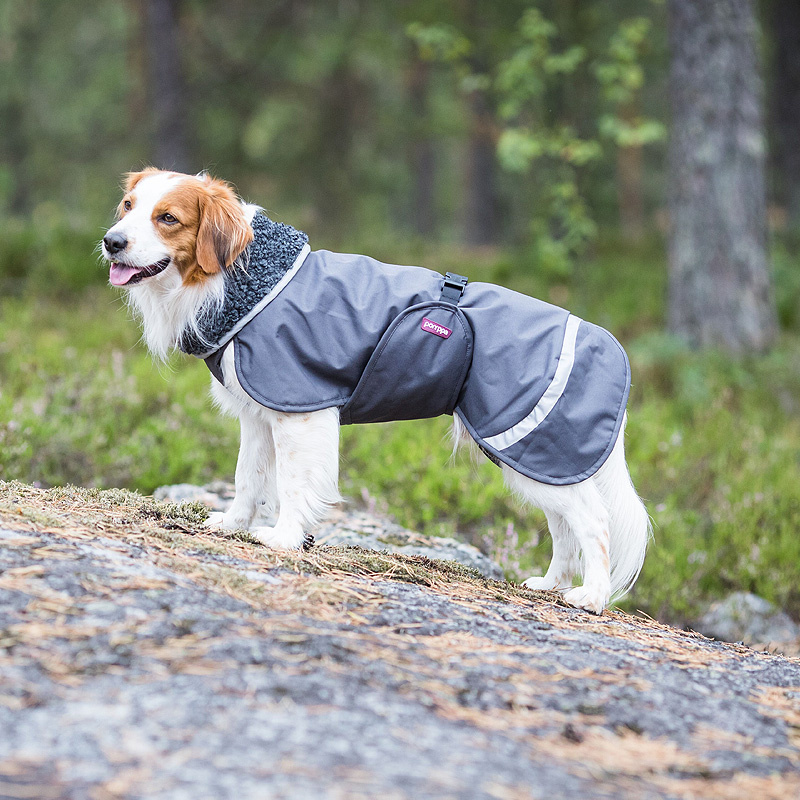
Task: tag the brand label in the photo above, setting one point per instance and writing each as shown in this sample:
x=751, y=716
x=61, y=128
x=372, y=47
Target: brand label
x=434, y=327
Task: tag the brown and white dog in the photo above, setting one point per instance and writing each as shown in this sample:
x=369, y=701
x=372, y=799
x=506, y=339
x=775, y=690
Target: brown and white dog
x=175, y=238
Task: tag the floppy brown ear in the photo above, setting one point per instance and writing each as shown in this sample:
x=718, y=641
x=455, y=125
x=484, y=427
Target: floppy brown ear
x=224, y=232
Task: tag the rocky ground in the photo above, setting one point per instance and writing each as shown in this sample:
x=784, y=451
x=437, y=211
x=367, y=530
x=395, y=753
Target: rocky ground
x=143, y=656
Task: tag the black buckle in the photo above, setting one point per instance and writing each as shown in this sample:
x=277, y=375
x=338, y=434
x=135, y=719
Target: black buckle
x=453, y=288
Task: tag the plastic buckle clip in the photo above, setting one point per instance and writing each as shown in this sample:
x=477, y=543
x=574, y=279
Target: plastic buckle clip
x=453, y=288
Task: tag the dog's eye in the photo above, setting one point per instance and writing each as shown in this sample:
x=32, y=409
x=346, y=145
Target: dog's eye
x=169, y=219
x=127, y=205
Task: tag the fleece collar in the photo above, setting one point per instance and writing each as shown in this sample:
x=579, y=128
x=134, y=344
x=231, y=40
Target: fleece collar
x=256, y=277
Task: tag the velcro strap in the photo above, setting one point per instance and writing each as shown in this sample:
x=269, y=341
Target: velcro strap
x=453, y=288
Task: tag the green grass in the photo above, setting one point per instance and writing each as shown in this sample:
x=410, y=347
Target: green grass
x=81, y=402
x=713, y=444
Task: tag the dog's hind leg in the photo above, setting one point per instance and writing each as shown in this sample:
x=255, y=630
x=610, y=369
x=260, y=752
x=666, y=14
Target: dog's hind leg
x=307, y=470
x=565, y=563
x=582, y=521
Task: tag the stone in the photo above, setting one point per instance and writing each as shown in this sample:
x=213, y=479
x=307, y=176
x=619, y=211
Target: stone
x=748, y=618
x=366, y=530
x=210, y=495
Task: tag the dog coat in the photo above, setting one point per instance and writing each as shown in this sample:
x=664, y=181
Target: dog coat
x=537, y=388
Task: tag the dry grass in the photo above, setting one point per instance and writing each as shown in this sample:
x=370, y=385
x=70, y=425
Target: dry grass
x=177, y=532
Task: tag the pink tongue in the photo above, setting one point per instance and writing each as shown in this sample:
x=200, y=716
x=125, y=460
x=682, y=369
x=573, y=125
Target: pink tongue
x=119, y=275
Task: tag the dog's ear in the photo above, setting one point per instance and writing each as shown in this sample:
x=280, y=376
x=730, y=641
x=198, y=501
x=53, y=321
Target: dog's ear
x=224, y=231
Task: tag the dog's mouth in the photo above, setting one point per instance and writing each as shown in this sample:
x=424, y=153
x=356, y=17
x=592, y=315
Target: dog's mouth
x=124, y=275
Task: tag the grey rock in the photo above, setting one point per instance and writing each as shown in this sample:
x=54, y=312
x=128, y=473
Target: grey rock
x=211, y=495
x=344, y=686
x=748, y=618
x=374, y=533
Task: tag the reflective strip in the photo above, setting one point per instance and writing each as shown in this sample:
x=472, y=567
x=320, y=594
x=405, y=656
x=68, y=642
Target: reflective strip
x=552, y=394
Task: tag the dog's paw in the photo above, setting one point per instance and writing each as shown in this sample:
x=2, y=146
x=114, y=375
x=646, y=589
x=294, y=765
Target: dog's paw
x=227, y=521
x=543, y=584
x=586, y=598
x=280, y=537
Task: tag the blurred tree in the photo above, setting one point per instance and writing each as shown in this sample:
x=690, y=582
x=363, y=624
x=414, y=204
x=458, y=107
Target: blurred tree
x=621, y=76
x=422, y=153
x=785, y=23
x=19, y=36
x=63, y=108
x=520, y=91
x=165, y=85
x=482, y=212
x=472, y=37
x=719, y=285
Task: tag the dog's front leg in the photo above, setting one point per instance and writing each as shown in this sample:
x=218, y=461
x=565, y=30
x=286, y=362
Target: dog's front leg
x=307, y=473
x=255, y=474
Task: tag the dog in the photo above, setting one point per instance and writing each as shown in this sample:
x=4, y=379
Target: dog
x=299, y=342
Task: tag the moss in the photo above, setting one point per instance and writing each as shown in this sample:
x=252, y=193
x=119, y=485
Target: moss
x=241, y=536
x=189, y=513
x=392, y=539
x=14, y=494
x=414, y=569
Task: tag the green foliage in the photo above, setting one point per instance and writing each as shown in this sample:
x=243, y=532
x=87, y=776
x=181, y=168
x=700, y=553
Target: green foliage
x=48, y=255
x=439, y=42
x=621, y=77
x=787, y=281
x=712, y=442
x=522, y=76
x=80, y=404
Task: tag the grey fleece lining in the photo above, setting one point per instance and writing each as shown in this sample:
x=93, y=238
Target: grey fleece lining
x=276, y=248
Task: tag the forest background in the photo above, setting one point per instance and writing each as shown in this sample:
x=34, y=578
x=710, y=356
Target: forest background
x=635, y=162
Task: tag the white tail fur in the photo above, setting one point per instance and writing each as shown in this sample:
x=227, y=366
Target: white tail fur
x=630, y=524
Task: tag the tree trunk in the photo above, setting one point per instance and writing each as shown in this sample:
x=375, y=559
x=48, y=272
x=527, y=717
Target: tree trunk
x=719, y=286
x=166, y=86
x=786, y=104
x=630, y=191
x=341, y=102
x=421, y=152
x=481, y=211
x=18, y=136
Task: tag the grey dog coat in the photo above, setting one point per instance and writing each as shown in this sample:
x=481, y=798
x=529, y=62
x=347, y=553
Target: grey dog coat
x=537, y=388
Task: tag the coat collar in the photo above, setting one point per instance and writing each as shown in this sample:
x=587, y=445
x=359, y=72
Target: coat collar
x=270, y=260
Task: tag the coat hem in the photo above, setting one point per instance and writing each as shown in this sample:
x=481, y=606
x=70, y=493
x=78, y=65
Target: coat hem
x=255, y=395
x=572, y=479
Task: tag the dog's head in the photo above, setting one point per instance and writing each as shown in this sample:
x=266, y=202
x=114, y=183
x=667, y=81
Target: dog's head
x=193, y=224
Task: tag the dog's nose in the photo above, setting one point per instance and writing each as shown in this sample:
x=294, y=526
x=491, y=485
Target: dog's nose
x=115, y=242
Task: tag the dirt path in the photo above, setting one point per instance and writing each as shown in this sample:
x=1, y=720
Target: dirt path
x=142, y=657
